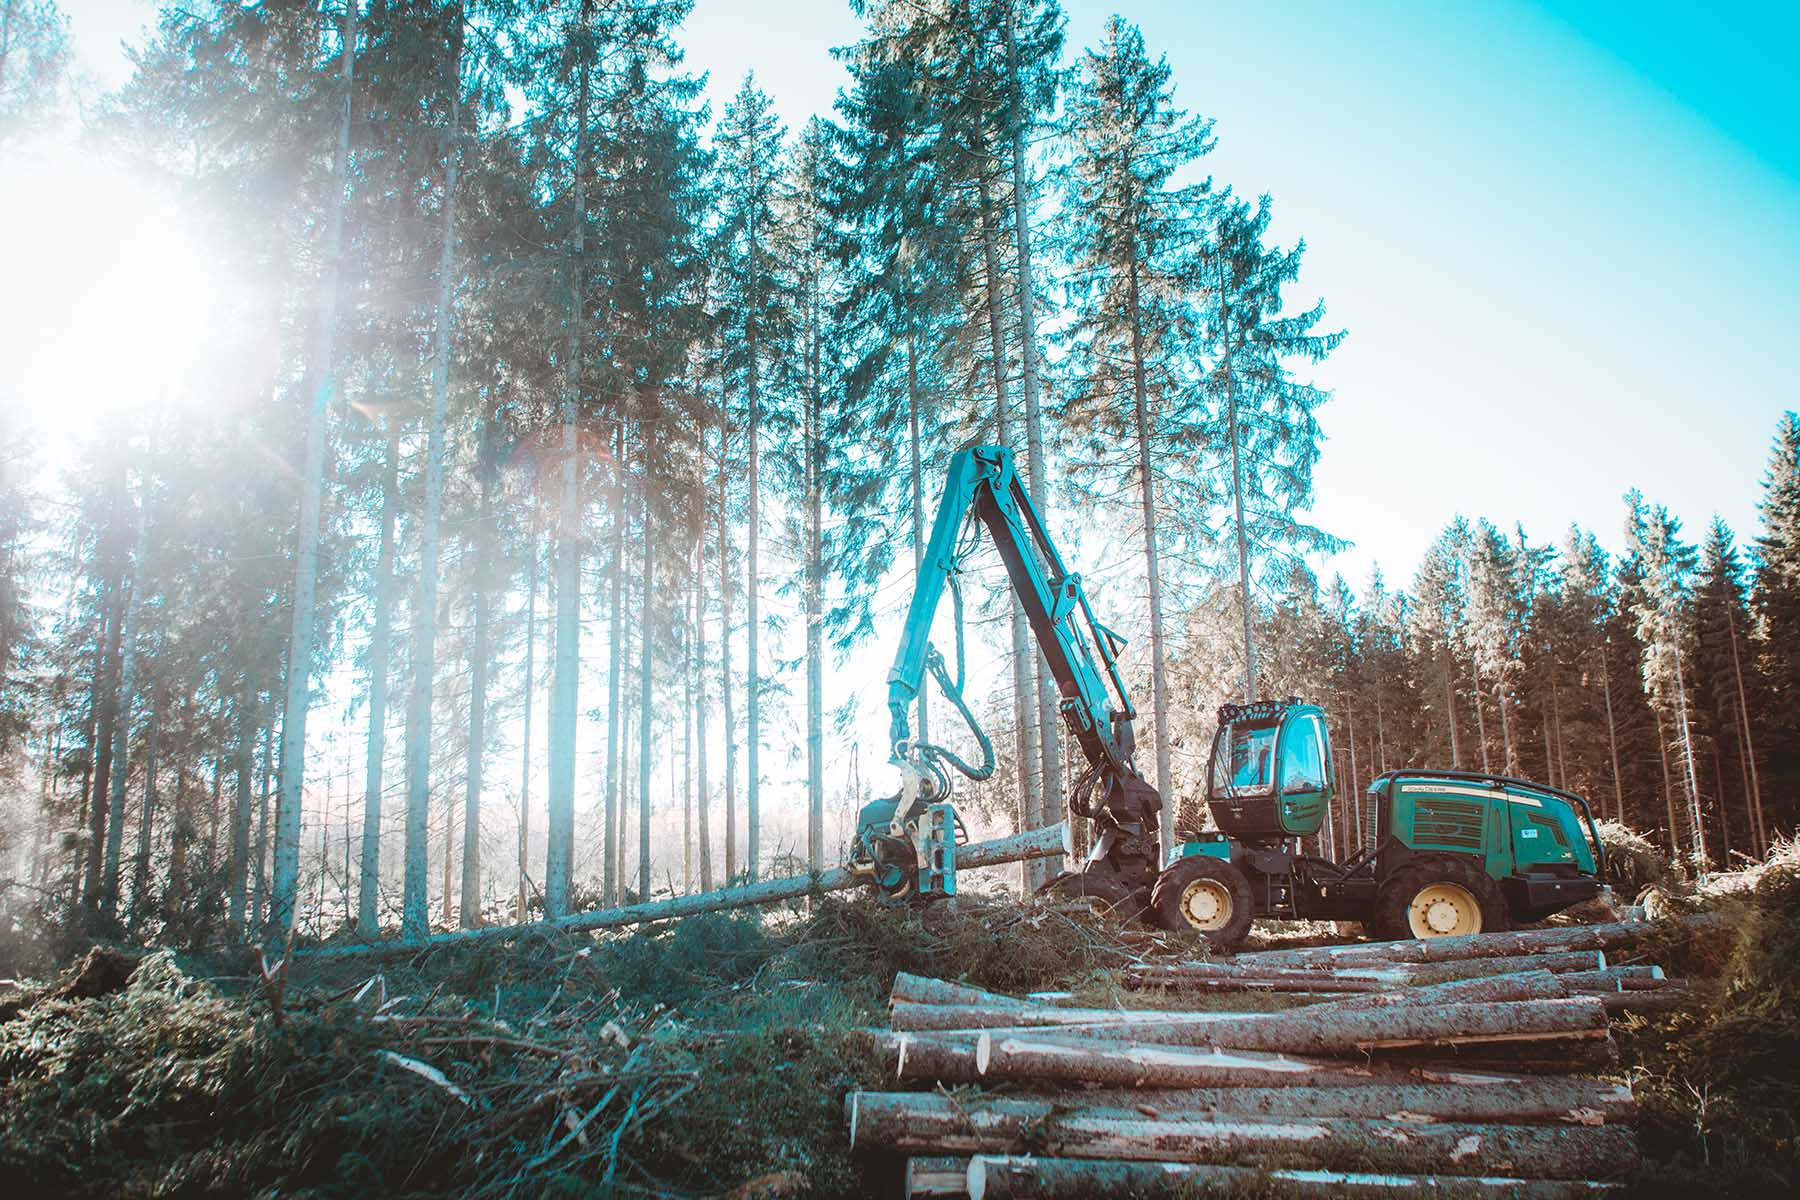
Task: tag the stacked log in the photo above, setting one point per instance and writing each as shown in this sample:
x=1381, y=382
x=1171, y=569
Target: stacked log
x=1442, y=1066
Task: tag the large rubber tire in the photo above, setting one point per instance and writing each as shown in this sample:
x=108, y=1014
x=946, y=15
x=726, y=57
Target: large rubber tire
x=1207, y=896
x=1439, y=897
x=1117, y=899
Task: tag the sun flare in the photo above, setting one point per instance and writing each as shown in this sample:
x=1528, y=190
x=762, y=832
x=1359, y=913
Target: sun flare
x=106, y=299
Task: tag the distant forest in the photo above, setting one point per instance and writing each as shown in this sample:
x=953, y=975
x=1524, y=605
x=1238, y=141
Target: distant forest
x=551, y=403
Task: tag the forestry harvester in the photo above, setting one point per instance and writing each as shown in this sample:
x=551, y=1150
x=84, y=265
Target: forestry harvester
x=1446, y=852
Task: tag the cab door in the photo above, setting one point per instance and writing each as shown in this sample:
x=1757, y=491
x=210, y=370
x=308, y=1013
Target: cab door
x=1304, y=779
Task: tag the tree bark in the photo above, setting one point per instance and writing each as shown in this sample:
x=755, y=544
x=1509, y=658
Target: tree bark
x=127, y=701
x=815, y=589
x=1450, y=710
x=414, y=921
x=559, y=842
x=918, y=1123
x=470, y=915
x=921, y=989
x=999, y=1177
x=369, y=890
x=1237, y=485
x=1050, y=802
x=531, y=591
x=918, y=491
x=292, y=770
x=244, y=760
x=1246, y=969
x=1031, y=805
x=1759, y=830
x=703, y=800
x=1018, y=847
x=610, y=878
x=1609, y=936
x=1159, y=676
x=1612, y=737
x=731, y=855
x=645, y=679
x=753, y=591
x=1545, y=1100
x=140, y=879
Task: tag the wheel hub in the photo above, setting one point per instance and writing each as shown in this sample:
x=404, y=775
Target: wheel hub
x=1444, y=910
x=1206, y=903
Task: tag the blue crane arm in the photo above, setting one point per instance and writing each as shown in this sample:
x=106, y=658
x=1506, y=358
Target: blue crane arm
x=1081, y=652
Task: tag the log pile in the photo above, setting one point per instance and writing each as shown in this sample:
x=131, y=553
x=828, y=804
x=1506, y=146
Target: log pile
x=1458, y=1066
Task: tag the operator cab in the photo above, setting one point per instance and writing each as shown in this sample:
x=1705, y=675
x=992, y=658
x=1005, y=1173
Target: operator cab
x=1270, y=774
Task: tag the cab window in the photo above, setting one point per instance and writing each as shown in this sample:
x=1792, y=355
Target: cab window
x=1303, y=757
x=1244, y=761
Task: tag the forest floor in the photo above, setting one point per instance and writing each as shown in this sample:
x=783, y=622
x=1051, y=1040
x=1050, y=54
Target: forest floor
x=707, y=1057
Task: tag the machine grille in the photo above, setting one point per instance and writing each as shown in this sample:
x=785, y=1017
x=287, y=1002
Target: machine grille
x=1455, y=824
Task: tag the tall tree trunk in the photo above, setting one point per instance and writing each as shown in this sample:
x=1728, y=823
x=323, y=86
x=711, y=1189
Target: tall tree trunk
x=1612, y=736
x=1025, y=740
x=1480, y=720
x=1662, y=756
x=244, y=762
x=687, y=748
x=1050, y=752
x=1355, y=779
x=312, y=485
x=1687, y=757
x=1510, y=754
x=1159, y=677
x=259, y=895
x=128, y=665
x=918, y=494
x=1759, y=831
x=1450, y=710
x=369, y=890
x=97, y=738
x=611, y=879
x=703, y=800
x=478, y=668
x=752, y=615
x=531, y=590
x=181, y=833
x=1237, y=486
x=731, y=855
x=645, y=679
x=815, y=595
x=414, y=920
x=140, y=878
x=559, y=846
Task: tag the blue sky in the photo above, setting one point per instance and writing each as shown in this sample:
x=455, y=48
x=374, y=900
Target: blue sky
x=1565, y=238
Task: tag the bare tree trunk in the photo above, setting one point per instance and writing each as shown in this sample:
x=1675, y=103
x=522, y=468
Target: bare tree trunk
x=1450, y=710
x=1159, y=671
x=128, y=666
x=703, y=800
x=687, y=748
x=1050, y=802
x=918, y=497
x=611, y=878
x=531, y=590
x=645, y=681
x=815, y=593
x=1662, y=756
x=753, y=618
x=1031, y=804
x=413, y=919
x=140, y=879
x=1510, y=754
x=559, y=845
x=369, y=892
x=478, y=668
x=731, y=855
x=259, y=895
x=1687, y=757
x=1759, y=831
x=1612, y=737
x=1480, y=720
x=244, y=760
x=1237, y=487
x=292, y=772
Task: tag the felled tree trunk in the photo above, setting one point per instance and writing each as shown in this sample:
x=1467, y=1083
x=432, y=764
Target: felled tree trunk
x=928, y=1123
x=1034, y=843
x=936, y=1176
x=1564, y=1100
x=1008, y=1178
x=1239, y=976
x=1478, y=945
x=921, y=989
x=1050, y=1057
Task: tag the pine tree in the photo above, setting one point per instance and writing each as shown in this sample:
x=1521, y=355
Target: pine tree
x=1129, y=241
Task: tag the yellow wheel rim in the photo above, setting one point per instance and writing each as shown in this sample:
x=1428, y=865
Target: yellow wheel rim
x=1443, y=910
x=1206, y=904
